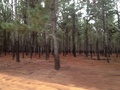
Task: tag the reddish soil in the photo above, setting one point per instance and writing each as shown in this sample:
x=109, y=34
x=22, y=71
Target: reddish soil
x=78, y=73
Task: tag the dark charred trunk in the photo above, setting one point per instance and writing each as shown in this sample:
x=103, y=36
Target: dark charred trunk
x=86, y=39
x=73, y=35
x=5, y=43
x=91, y=50
x=13, y=50
x=97, y=49
x=39, y=51
x=66, y=44
x=17, y=50
x=47, y=50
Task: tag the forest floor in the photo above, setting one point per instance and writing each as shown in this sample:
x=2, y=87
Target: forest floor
x=78, y=73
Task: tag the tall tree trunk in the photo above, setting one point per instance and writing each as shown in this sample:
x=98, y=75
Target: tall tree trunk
x=104, y=38
x=54, y=28
x=39, y=51
x=97, y=30
x=32, y=46
x=17, y=50
x=23, y=45
x=66, y=42
x=97, y=43
x=4, y=42
x=118, y=17
x=46, y=46
x=13, y=47
x=16, y=33
x=73, y=31
x=86, y=30
x=105, y=41
x=63, y=46
x=86, y=39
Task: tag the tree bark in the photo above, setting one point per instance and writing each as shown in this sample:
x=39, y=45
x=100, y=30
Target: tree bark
x=73, y=32
x=105, y=41
x=4, y=42
x=54, y=28
x=86, y=39
x=16, y=34
x=97, y=43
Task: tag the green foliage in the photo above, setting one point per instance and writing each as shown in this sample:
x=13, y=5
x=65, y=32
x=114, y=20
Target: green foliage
x=39, y=16
x=7, y=26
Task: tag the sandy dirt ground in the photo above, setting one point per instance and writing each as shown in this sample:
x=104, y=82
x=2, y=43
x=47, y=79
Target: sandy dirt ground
x=79, y=73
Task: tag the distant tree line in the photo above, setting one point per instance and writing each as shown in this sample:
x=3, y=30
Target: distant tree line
x=60, y=27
